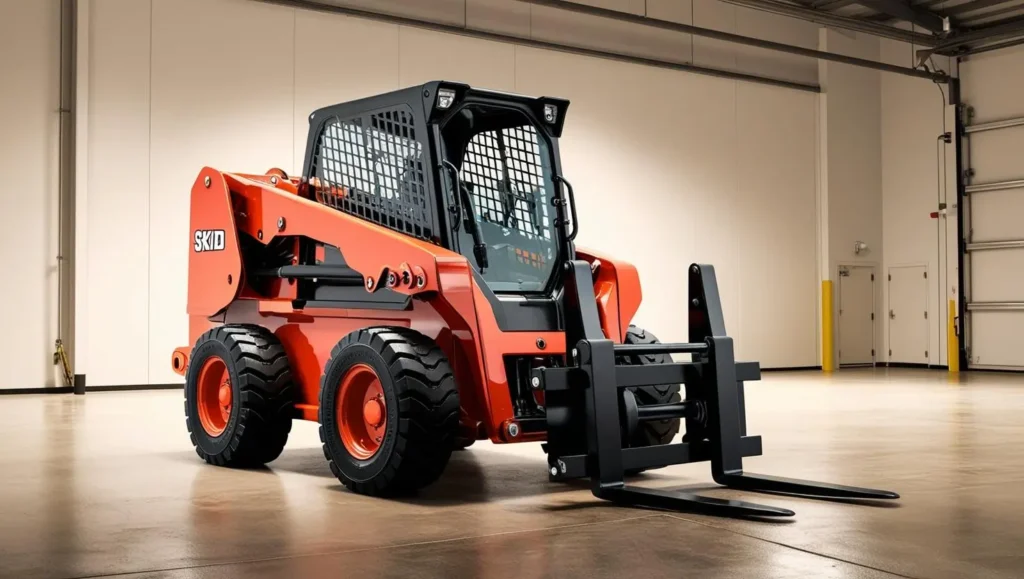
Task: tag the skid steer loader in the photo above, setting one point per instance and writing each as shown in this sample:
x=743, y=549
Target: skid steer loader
x=418, y=288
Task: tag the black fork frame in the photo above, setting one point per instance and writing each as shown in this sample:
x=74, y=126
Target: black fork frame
x=586, y=408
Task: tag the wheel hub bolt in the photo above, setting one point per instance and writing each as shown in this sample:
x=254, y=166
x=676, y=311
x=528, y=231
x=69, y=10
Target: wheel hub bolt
x=373, y=412
x=224, y=395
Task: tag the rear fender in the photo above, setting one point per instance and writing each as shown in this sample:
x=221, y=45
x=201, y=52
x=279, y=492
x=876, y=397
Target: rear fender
x=617, y=287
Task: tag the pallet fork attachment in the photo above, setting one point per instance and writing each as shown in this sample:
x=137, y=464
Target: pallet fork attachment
x=589, y=444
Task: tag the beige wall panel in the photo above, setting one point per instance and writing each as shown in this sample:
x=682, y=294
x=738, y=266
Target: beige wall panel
x=625, y=153
x=119, y=217
x=323, y=79
x=776, y=236
x=224, y=98
x=502, y=16
x=852, y=105
x=663, y=180
x=670, y=168
x=767, y=26
x=29, y=153
x=426, y=56
x=550, y=24
x=443, y=11
x=708, y=51
x=610, y=35
x=912, y=158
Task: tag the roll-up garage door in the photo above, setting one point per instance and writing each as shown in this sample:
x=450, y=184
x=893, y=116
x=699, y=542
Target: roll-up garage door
x=994, y=210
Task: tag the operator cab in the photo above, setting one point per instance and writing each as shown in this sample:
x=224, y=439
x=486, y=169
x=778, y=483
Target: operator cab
x=475, y=171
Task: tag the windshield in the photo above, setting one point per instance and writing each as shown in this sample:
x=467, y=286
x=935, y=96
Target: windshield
x=505, y=173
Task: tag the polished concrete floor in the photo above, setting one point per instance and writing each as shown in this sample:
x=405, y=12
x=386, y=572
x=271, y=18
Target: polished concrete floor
x=108, y=485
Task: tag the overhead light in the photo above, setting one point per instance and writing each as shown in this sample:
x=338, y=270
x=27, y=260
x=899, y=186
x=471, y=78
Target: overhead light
x=550, y=113
x=445, y=98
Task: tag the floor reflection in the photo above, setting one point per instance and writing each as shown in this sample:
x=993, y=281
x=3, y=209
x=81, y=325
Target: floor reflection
x=108, y=483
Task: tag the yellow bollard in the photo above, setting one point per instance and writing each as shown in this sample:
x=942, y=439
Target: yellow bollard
x=952, y=340
x=827, y=351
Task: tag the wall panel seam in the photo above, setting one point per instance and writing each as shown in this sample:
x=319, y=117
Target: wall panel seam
x=295, y=85
x=149, y=212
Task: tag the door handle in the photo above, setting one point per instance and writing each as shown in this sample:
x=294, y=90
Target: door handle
x=892, y=315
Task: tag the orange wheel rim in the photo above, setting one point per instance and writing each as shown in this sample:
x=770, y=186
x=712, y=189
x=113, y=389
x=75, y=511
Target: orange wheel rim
x=214, y=396
x=361, y=411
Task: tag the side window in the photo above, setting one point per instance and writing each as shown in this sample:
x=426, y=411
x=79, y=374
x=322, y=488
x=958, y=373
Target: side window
x=372, y=167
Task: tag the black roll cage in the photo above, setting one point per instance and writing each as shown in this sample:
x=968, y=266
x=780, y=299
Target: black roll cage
x=428, y=121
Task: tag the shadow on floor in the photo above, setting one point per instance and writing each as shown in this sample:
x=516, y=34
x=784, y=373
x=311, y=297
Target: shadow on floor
x=479, y=476
x=472, y=476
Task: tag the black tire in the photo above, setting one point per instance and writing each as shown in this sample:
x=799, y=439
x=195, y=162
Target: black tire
x=654, y=432
x=421, y=409
x=261, y=402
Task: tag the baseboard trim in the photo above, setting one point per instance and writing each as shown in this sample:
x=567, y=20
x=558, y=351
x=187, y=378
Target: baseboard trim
x=54, y=390
x=996, y=370
x=791, y=369
x=132, y=388
x=70, y=390
x=854, y=366
x=917, y=365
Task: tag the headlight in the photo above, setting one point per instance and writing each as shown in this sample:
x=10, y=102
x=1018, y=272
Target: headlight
x=550, y=113
x=445, y=98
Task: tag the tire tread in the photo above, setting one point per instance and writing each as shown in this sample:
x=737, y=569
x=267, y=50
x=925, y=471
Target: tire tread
x=428, y=405
x=266, y=393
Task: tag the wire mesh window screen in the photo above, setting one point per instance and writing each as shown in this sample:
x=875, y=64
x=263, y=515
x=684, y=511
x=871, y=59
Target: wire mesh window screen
x=372, y=167
x=508, y=178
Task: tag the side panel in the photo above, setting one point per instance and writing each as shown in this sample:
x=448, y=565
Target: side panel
x=214, y=263
x=479, y=348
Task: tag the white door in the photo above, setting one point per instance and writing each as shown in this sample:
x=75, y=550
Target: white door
x=908, y=315
x=994, y=210
x=856, y=316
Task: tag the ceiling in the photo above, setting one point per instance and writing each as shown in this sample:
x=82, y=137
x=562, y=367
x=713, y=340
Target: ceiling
x=950, y=27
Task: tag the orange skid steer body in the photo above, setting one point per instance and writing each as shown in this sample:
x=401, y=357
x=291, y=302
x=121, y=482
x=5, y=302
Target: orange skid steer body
x=419, y=288
x=446, y=305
